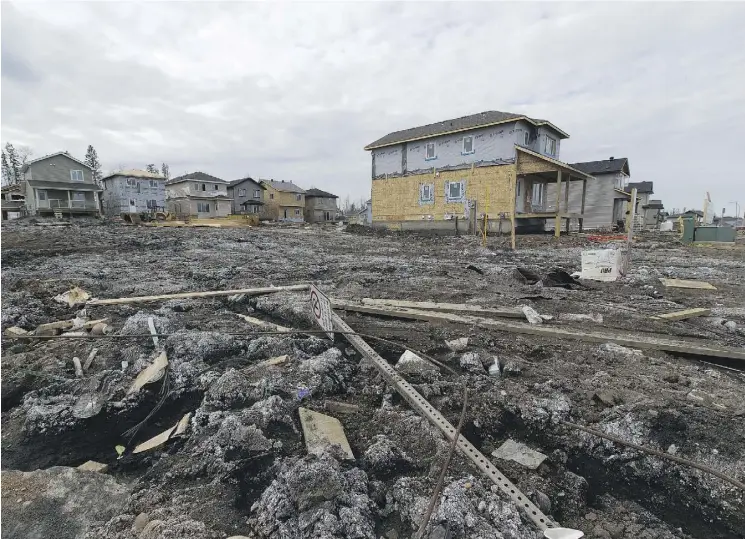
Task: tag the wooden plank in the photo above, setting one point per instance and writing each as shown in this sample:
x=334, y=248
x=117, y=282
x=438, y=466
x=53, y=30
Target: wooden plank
x=682, y=283
x=682, y=315
x=504, y=312
x=268, y=325
x=631, y=340
x=65, y=324
x=211, y=294
x=557, y=224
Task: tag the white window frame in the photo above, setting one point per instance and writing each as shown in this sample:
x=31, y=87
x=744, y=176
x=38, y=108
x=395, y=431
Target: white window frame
x=257, y=193
x=297, y=211
x=427, y=193
x=131, y=182
x=426, y=151
x=203, y=207
x=73, y=176
x=527, y=138
x=461, y=191
x=298, y=197
x=153, y=183
x=473, y=146
x=217, y=188
x=550, y=143
x=42, y=194
x=241, y=192
x=539, y=194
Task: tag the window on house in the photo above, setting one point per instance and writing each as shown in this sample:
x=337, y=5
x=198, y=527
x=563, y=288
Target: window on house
x=131, y=182
x=217, y=187
x=431, y=151
x=42, y=195
x=254, y=209
x=241, y=192
x=153, y=183
x=550, y=146
x=455, y=191
x=427, y=193
x=196, y=186
x=204, y=187
x=527, y=138
x=517, y=187
x=297, y=211
x=539, y=192
x=298, y=197
x=257, y=193
x=468, y=145
x=203, y=207
x=271, y=196
x=76, y=175
x=132, y=202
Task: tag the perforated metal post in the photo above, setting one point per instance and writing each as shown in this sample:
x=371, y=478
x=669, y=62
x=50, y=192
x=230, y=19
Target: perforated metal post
x=438, y=420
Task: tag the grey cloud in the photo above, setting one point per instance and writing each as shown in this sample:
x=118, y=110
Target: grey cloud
x=236, y=88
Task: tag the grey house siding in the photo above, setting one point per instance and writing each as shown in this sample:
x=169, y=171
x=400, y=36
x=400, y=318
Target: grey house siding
x=599, y=201
x=57, y=169
x=316, y=208
x=251, y=187
x=490, y=144
x=117, y=195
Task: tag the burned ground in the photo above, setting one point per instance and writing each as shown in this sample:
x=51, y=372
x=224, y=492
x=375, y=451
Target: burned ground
x=242, y=467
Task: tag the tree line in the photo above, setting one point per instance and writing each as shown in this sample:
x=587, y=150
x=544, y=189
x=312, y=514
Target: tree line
x=15, y=159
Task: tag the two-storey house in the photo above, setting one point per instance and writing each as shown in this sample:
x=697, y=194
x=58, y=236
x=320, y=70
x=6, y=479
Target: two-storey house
x=198, y=195
x=493, y=164
x=606, y=198
x=133, y=191
x=58, y=184
x=247, y=196
x=320, y=206
x=284, y=201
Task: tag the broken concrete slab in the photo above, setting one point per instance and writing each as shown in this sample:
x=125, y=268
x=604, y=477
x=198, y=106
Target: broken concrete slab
x=322, y=431
x=520, y=453
x=412, y=364
x=457, y=345
x=93, y=466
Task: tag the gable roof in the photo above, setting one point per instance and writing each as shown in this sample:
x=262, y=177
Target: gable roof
x=134, y=173
x=606, y=166
x=318, y=193
x=464, y=123
x=195, y=176
x=25, y=167
x=288, y=187
x=233, y=183
x=641, y=187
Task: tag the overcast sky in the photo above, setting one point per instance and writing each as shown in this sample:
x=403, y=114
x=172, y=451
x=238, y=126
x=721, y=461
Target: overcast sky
x=294, y=91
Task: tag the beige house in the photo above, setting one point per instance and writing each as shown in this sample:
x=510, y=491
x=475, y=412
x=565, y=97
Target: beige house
x=198, y=194
x=284, y=201
x=320, y=206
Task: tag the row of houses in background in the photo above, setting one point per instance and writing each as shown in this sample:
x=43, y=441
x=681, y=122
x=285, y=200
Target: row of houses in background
x=504, y=168
x=61, y=185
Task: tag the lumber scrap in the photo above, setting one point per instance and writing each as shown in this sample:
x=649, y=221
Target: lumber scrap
x=682, y=283
x=630, y=340
x=683, y=315
x=209, y=294
x=461, y=308
x=420, y=404
x=66, y=324
x=268, y=325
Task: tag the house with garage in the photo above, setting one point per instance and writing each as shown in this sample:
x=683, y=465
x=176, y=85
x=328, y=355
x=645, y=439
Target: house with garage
x=284, y=201
x=606, y=198
x=59, y=184
x=199, y=195
x=133, y=191
x=320, y=206
x=492, y=167
x=247, y=196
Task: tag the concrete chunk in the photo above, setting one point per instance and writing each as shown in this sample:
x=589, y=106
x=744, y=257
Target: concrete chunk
x=457, y=345
x=520, y=453
x=93, y=466
x=322, y=431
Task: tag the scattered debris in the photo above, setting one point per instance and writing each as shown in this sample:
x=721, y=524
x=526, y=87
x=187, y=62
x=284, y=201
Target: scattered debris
x=607, y=397
x=89, y=360
x=512, y=368
x=101, y=329
x=563, y=533
x=570, y=317
x=93, y=466
x=156, y=441
x=261, y=323
x=183, y=295
x=471, y=362
x=15, y=331
x=683, y=315
x=78, y=367
x=341, y=407
x=475, y=268
x=465, y=308
x=151, y=373
x=682, y=283
x=73, y=297
x=457, y=345
x=560, y=279
x=153, y=331
x=532, y=315
x=278, y=360
x=494, y=369
x=604, y=264
x=411, y=364
x=321, y=432
x=520, y=453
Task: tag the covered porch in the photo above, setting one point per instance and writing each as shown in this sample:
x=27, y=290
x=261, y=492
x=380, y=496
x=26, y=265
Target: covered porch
x=534, y=173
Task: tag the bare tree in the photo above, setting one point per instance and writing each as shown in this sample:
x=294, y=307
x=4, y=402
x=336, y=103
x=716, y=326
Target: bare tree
x=152, y=168
x=165, y=171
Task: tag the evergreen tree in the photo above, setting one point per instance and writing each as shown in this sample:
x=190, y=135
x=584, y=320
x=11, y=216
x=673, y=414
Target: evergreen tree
x=91, y=159
x=165, y=171
x=151, y=168
x=14, y=163
x=7, y=177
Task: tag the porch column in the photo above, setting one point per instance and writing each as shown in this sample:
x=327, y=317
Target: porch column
x=582, y=210
x=514, y=209
x=69, y=202
x=557, y=225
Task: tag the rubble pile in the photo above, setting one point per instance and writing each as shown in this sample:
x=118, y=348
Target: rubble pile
x=227, y=454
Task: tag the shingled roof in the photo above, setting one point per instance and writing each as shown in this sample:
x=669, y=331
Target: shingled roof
x=641, y=187
x=318, y=193
x=288, y=187
x=465, y=123
x=607, y=166
x=195, y=176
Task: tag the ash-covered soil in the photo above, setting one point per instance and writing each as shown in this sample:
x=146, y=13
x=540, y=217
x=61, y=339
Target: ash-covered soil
x=242, y=469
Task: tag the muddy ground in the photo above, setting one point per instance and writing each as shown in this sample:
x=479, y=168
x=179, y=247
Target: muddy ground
x=241, y=467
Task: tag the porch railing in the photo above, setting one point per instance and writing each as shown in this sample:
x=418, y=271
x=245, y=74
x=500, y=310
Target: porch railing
x=54, y=204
